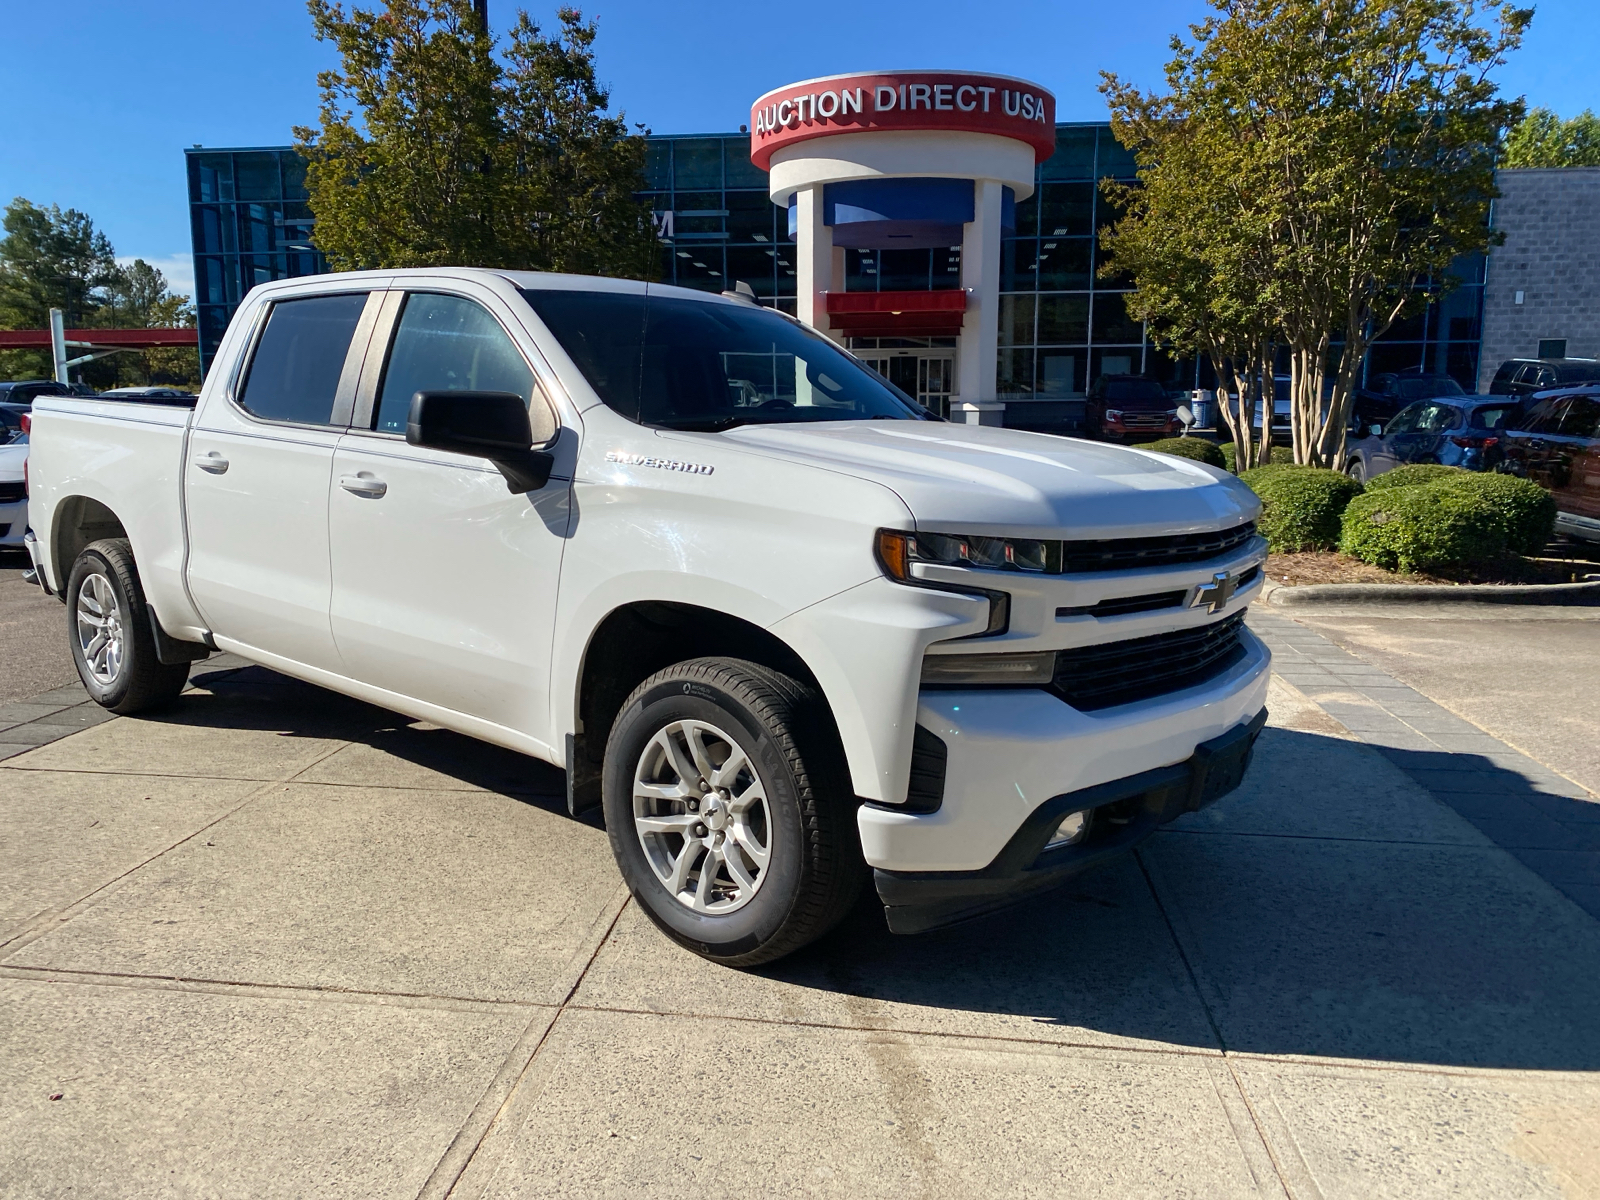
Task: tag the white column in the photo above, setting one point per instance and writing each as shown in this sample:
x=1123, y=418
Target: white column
x=977, y=398
x=58, y=344
x=814, y=259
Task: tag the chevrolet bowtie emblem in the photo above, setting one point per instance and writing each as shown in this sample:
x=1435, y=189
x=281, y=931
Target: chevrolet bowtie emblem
x=1216, y=594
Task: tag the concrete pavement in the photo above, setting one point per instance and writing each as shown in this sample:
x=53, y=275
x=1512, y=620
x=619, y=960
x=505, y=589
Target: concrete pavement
x=277, y=942
x=33, y=642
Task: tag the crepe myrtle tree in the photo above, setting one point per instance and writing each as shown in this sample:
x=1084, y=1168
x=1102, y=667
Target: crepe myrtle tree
x=433, y=149
x=1349, y=152
x=1201, y=289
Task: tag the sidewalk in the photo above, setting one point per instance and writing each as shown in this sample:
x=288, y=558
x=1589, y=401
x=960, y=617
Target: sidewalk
x=282, y=943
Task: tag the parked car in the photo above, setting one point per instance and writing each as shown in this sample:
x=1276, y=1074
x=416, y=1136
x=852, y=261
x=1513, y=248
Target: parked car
x=786, y=641
x=1123, y=408
x=13, y=492
x=22, y=391
x=1386, y=394
x=1557, y=443
x=1525, y=376
x=1463, y=431
x=11, y=421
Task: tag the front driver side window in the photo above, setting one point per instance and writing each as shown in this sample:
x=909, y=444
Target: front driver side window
x=1405, y=422
x=447, y=343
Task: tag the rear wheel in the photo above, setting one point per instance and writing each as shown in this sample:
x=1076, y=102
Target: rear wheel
x=108, y=624
x=728, y=811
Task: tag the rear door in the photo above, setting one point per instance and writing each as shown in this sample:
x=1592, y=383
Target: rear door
x=444, y=582
x=1577, y=449
x=256, y=479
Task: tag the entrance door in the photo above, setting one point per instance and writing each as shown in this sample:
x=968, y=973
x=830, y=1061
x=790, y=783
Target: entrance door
x=930, y=377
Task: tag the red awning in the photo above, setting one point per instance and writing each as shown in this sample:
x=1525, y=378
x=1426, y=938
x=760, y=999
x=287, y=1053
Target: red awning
x=897, y=314
x=118, y=339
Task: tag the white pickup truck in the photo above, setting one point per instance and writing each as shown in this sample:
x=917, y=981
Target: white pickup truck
x=778, y=622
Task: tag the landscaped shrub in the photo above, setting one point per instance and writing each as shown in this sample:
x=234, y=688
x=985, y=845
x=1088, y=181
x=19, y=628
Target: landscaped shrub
x=1423, y=528
x=1230, y=455
x=1412, y=476
x=1300, y=506
x=1526, y=511
x=1196, y=448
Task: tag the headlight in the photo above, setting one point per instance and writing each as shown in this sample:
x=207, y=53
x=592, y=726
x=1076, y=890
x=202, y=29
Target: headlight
x=898, y=551
x=1113, y=414
x=958, y=670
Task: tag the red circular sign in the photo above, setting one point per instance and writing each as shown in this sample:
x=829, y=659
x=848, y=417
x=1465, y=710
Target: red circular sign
x=954, y=101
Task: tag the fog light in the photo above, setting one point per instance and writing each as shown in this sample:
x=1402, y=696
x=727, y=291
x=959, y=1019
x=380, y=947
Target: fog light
x=1071, y=830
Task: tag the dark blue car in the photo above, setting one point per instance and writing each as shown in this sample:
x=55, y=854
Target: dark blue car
x=1455, y=431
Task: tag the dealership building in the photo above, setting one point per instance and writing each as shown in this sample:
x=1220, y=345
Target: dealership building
x=940, y=224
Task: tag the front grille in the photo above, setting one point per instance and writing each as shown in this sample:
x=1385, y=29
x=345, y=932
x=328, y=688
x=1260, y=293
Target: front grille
x=1122, y=605
x=1122, y=553
x=10, y=493
x=1122, y=672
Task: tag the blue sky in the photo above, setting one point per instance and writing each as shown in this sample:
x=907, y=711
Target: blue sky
x=101, y=98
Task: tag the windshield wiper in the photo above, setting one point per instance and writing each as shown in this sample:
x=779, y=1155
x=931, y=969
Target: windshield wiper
x=710, y=426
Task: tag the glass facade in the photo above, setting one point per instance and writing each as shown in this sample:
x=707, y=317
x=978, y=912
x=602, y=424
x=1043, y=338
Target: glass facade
x=249, y=223
x=1061, y=324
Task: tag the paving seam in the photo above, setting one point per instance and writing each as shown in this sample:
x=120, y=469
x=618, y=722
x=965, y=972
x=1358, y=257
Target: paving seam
x=1211, y=1020
x=1163, y=1051
x=496, y=1098
x=262, y=991
x=1516, y=782
x=38, y=926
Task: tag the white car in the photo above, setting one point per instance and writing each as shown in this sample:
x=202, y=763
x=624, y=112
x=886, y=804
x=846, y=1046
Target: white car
x=788, y=631
x=13, y=493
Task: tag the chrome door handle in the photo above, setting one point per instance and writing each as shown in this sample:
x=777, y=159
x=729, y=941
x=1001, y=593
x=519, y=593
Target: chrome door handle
x=364, y=483
x=212, y=462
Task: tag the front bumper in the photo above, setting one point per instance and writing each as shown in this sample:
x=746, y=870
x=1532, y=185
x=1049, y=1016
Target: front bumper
x=1127, y=811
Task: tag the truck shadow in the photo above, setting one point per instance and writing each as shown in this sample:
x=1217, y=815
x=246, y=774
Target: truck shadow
x=1282, y=923
x=1332, y=907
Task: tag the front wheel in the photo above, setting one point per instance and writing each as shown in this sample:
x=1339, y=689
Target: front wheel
x=108, y=624
x=728, y=811
x=1355, y=470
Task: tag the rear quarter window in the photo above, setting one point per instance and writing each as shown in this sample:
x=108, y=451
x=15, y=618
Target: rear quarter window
x=293, y=375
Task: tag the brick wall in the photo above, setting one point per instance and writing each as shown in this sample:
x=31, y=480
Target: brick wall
x=1551, y=219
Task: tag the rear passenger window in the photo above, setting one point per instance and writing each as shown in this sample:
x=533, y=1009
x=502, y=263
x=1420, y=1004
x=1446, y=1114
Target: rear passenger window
x=294, y=374
x=1582, y=418
x=450, y=344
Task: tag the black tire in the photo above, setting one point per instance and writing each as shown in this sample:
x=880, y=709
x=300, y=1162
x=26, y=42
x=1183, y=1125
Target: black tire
x=139, y=681
x=814, y=869
x=1355, y=470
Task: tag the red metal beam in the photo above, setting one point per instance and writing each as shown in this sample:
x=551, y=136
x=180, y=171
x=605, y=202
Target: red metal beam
x=110, y=339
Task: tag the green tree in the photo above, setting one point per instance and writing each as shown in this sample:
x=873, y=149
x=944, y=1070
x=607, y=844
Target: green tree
x=1543, y=139
x=138, y=297
x=49, y=258
x=431, y=152
x=1348, y=157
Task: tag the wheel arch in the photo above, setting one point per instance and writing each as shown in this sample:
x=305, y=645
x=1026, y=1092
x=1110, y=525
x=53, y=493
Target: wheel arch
x=633, y=642
x=77, y=521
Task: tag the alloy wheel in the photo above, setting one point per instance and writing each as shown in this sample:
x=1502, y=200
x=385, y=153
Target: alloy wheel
x=701, y=814
x=100, y=632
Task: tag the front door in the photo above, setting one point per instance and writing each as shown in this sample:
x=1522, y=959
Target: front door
x=256, y=480
x=444, y=582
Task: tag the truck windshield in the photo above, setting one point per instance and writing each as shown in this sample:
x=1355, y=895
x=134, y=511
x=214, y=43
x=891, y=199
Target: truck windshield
x=688, y=364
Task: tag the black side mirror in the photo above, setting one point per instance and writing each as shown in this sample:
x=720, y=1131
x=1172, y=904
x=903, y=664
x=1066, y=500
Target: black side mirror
x=492, y=425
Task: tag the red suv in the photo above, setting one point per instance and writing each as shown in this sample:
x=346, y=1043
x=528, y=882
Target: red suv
x=1122, y=408
x=1558, y=444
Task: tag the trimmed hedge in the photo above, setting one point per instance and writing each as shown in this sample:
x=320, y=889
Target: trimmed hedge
x=1230, y=455
x=1526, y=511
x=1412, y=475
x=1300, y=506
x=1196, y=448
x=1422, y=528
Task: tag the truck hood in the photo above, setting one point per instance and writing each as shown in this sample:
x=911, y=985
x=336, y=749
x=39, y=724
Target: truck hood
x=982, y=480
